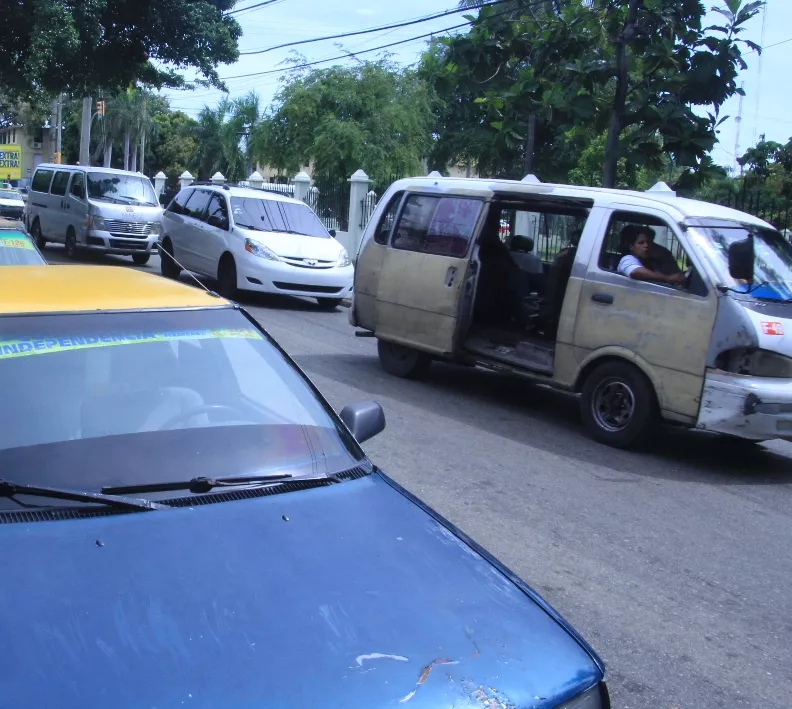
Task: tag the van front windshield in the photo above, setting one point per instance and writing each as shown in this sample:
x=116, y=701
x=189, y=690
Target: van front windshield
x=772, y=261
x=128, y=189
x=276, y=215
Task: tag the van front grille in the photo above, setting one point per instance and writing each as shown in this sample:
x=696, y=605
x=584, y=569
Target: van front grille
x=127, y=244
x=116, y=226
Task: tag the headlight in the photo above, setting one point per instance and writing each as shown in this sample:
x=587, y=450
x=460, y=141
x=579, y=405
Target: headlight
x=594, y=698
x=343, y=258
x=97, y=223
x=755, y=363
x=258, y=249
x=156, y=229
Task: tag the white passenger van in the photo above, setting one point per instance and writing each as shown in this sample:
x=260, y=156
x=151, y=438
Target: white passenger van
x=94, y=208
x=446, y=271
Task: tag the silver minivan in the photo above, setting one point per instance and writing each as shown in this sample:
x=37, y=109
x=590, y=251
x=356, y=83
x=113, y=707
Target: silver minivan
x=94, y=208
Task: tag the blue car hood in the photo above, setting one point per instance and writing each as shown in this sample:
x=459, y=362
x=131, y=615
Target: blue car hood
x=349, y=595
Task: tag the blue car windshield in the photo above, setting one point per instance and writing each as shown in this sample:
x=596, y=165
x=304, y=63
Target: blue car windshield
x=772, y=262
x=16, y=249
x=94, y=400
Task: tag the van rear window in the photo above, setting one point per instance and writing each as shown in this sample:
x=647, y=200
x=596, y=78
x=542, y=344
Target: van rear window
x=41, y=181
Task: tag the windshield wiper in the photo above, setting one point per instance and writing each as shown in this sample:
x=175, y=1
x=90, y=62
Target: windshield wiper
x=10, y=489
x=198, y=485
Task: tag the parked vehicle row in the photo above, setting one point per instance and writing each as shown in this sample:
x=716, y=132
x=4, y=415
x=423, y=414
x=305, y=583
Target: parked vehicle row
x=649, y=306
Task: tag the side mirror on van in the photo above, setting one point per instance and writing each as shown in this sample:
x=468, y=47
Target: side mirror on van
x=78, y=191
x=332, y=233
x=741, y=260
x=217, y=222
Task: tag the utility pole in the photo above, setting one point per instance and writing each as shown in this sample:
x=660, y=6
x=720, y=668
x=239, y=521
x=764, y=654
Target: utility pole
x=85, y=132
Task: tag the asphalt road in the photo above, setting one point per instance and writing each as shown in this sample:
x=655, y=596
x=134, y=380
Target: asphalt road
x=674, y=562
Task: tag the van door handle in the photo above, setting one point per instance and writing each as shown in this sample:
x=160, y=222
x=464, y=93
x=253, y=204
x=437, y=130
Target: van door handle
x=450, y=276
x=604, y=298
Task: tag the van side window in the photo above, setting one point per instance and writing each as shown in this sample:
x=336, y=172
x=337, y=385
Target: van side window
x=546, y=232
x=218, y=211
x=59, y=183
x=442, y=226
x=667, y=255
x=197, y=204
x=78, y=185
x=386, y=220
x=179, y=201
x=41, y=181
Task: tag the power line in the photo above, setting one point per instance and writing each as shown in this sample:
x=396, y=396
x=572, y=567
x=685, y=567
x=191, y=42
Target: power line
x=345, y=56
x=252, y=7
x=397, y=25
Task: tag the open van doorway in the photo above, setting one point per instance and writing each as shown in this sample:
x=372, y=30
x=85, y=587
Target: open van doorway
x=526, y=251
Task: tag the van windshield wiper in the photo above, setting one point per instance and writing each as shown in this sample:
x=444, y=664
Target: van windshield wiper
x=11, y=489
x=201, y=484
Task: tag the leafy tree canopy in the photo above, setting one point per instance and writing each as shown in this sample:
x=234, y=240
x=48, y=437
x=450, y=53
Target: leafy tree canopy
x=80, y=46
x=373, y=115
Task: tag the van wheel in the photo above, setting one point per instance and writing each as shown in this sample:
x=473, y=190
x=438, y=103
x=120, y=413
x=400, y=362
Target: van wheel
x=71, y=245
x=402, y=361
x=618, y=405
x=329, y=303
x=168, y=267
x=227, y=277
x=141, y=259
x=38, y=237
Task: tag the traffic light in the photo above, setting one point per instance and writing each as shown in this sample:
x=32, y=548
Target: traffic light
x=100, y=108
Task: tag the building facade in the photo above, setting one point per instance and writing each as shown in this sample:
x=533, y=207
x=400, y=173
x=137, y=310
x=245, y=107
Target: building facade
x=34, y=147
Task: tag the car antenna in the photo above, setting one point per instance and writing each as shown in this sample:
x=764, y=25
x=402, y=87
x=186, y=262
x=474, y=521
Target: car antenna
x=209, y=291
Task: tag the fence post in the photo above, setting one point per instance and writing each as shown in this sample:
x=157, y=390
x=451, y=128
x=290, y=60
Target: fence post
x=218, y=178
x=256, y=180
x=302, y=184
x=359, y=183
x=186, y=179
x=159, y=182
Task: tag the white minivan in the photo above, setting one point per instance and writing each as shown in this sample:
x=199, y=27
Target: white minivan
x=254, y=240
x=94, y=208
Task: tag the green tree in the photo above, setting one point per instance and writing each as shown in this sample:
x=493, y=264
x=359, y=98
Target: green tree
x=373, y=116
x=223, y=137
x=173, y=144
x=81, y=46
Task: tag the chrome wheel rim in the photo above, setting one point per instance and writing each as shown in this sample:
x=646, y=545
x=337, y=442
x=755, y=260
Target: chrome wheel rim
x=613, y=404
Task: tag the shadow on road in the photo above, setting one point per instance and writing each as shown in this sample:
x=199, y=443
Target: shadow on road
x=549, y=420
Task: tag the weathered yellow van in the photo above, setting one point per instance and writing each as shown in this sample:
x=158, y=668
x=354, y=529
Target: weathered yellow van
x=644, y=303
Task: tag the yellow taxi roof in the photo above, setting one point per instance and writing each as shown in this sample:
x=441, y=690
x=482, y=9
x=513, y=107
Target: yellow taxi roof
x=59, y=289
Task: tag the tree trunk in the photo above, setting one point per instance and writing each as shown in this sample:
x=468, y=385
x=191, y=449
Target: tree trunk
x=108, y=153
x=620, y=99
x=143, y=151
x=530, y=142
x=127, y=138
x=133, y=164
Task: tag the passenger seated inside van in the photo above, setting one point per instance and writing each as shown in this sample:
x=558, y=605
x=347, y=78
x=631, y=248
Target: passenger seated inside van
x=640, y=262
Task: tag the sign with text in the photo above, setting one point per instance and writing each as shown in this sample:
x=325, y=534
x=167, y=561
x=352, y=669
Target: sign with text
x=10, y=162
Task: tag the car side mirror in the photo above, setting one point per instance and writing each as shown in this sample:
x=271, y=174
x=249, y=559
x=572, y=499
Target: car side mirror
x=217, y=222
x=78, y=192
x=741, y=260
x=364, y=420
x=333, y=233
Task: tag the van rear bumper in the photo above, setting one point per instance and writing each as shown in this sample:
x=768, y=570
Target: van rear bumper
x=756, y=408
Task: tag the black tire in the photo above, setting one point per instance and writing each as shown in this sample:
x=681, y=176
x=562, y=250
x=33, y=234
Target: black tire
x=329, y=303
x=401, y=361
x=618, y=405
x=227, y=278
x=141, y=259
x=71, y=245
x=38, y=237
x=168, y=267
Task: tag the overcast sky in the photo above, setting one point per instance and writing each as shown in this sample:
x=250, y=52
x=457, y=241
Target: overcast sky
x=767, y=106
